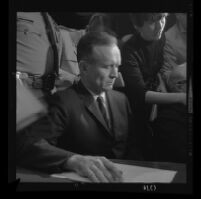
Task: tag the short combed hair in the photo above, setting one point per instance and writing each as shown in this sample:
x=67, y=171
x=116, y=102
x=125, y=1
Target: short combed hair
x=138, y=19
x=91, y=39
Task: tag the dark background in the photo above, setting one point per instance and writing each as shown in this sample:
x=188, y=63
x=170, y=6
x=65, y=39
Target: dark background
x=71, y=19
x=79, y=20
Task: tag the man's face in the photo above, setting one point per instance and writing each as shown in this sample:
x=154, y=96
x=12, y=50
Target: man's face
x=152, y=30
x=101, y=73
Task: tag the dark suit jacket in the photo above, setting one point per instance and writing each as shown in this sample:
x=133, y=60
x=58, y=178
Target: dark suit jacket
x=75, y=124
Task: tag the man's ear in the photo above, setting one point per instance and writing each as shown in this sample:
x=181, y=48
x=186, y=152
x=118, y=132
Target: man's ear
x=83, y=66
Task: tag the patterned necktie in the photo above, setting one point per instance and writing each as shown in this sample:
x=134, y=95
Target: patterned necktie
x=103, y=109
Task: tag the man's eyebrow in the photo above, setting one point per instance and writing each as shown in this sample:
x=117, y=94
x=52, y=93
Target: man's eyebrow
x=117, y=65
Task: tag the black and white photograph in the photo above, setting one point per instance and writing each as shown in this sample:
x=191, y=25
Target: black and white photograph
x=103, y=100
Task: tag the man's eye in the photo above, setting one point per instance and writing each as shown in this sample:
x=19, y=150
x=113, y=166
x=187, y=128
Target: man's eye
x=111, y=66
x=181, y=82
x=106, y=66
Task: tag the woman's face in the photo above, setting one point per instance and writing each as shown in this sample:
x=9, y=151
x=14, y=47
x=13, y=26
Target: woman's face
x=152, y=30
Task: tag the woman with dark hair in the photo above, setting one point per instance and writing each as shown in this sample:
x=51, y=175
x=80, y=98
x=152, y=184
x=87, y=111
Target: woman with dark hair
x=142, y=58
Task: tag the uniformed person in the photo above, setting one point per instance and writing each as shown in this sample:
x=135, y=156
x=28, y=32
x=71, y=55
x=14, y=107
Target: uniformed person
x=39, y=52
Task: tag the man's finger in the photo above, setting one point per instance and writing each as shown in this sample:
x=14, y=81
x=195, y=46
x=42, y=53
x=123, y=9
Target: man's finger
x=98, y=173
x=90, y=174
x=117, y=174
x=104, y=170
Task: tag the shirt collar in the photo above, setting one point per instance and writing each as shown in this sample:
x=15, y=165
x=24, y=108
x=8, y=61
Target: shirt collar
x=95, y=96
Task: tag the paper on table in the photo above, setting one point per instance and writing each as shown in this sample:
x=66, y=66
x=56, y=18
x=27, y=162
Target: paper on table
x=136, y=174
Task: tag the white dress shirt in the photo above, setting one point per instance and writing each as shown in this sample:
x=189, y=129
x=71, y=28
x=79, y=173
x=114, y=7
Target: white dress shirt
x=105, y=103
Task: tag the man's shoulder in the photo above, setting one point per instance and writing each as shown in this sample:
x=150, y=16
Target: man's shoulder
x=118, y=99
x=117, y=94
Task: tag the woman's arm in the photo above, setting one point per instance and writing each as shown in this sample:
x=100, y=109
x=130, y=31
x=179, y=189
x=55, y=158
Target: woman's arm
x=153, y=97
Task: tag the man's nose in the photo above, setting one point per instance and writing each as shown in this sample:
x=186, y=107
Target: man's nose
x=114, y=72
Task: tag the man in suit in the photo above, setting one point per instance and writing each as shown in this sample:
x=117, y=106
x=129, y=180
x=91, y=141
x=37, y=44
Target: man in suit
x=87, y=123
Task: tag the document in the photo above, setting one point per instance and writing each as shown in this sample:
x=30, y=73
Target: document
x=131, y=174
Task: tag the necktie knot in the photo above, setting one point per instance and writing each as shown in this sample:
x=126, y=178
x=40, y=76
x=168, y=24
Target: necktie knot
x=100, y=99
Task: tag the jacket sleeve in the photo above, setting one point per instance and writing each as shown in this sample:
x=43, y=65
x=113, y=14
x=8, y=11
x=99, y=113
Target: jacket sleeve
x=37, y=144
x=134, y=82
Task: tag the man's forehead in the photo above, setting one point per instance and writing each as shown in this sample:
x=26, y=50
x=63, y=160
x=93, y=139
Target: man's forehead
x=103, y=50
x=106, y=53
x=103, y=47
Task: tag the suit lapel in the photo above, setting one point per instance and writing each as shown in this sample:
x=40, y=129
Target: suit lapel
x=113, y=109
x=92, y=106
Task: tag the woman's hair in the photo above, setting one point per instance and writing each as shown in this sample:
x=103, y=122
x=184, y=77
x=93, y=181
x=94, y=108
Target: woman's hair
x=91, y=39
x=138, y=19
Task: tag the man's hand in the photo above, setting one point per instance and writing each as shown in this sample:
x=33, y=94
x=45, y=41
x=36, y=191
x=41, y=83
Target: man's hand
x=97, y=169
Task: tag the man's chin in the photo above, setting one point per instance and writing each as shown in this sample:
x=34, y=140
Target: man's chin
x=110, y=87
